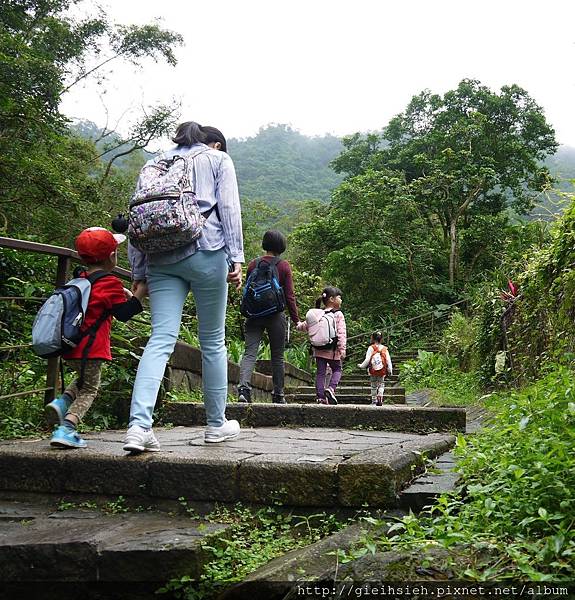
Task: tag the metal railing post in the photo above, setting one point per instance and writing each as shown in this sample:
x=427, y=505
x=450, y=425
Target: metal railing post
x=52, y=368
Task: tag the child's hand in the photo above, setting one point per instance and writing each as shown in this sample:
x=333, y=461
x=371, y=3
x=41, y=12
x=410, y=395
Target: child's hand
x=359, y=366
x=301, y=326
x=127, y=294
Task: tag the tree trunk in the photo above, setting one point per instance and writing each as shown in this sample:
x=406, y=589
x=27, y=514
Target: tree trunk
x=452, y=251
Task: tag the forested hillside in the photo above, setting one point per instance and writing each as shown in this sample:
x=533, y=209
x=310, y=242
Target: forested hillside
x=280, y=164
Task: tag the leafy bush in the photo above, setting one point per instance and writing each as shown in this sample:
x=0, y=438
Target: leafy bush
x=539, y=326
x=441, y=373
x=459, y=339
x=299, y=356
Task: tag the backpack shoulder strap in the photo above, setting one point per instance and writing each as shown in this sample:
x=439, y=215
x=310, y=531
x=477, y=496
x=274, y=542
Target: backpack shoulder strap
x=274, y=262
x=97, y=275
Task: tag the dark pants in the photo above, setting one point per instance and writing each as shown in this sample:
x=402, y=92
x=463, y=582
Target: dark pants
x=335, y=366
x=275, y=325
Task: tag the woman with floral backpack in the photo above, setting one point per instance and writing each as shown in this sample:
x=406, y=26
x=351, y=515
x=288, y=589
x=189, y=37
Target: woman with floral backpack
x=203, y=266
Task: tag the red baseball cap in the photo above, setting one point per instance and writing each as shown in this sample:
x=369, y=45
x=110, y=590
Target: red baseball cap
x=95, y=244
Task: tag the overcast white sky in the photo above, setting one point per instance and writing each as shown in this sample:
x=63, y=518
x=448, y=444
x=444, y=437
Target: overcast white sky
x=332, y=66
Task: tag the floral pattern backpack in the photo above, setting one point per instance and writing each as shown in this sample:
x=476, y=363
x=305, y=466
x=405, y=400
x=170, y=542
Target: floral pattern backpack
x=164, y=213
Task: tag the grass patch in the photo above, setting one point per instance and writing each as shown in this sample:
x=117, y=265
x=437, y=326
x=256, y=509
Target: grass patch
x=254, y=538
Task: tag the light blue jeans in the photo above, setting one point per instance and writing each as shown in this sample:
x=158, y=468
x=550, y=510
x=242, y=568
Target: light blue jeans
x=204, y=274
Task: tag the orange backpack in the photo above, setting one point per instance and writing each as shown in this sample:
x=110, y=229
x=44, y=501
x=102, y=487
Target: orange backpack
x=378, y=361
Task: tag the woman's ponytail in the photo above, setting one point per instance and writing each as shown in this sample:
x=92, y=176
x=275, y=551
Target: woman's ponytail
x=188, y=134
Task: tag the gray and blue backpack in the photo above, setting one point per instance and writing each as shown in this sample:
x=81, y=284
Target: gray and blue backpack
x=57, y=327
x=263, y=295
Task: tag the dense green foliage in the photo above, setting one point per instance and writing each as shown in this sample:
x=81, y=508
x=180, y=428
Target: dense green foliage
x=536, y=327
x=441, y=374
x=53, y=181
x=512, y=516
x=424, y=210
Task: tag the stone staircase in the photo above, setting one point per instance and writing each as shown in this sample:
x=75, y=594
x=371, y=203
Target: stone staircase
x=300, y=454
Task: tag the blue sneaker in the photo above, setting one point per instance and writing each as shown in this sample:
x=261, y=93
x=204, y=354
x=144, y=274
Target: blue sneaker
x=56, y=410
x=65, y=437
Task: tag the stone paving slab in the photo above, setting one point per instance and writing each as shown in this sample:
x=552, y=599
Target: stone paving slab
x=412, y=419
x=38, y=544
x=297, y=466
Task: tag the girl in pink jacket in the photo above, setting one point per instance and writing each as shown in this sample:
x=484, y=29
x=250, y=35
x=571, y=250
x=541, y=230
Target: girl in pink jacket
x=328, y=336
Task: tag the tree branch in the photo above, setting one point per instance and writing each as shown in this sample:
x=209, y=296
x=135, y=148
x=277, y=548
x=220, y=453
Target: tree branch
x=87, y=73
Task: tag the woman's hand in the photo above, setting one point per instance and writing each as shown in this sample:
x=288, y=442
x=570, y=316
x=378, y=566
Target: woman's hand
x=140, y=289
x=235, y=276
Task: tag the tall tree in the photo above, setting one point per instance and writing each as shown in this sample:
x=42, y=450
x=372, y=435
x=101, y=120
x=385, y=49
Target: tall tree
x=469, y=153
x=44, y=51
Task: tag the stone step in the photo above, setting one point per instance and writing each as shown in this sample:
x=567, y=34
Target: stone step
x=344, y=398
x=343, y=390
x=39, y=543
x=364, y=378
x=429, y=486
x=392, y=417
x=276, y=578
x=327, y=466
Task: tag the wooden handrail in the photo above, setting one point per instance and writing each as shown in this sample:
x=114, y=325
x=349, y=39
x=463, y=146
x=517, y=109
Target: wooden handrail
x=11, y=298
x=28, y=246
x=26, y=393
x=407, y=321
x=18, y=347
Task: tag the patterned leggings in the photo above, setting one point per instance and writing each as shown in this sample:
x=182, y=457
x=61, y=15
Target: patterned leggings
x=82, y=399
x=377, y=387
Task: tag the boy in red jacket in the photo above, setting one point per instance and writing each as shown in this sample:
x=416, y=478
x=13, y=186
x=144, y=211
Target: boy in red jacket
x=98, y=248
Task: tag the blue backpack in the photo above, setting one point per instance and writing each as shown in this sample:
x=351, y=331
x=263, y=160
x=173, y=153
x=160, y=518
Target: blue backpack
x=263, y=295
x=57, y=327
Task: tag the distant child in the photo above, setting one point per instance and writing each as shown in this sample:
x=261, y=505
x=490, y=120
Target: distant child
x=97, y=247
x=379, y=365
x=328, y=336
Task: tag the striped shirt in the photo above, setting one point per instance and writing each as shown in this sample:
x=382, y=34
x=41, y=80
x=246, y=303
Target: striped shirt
x=215, y=183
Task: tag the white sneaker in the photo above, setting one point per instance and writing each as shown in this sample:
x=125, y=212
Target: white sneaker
x=139, y=440
x=228, y=431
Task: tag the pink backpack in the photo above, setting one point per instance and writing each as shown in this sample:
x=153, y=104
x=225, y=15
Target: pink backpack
x=321, y=328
